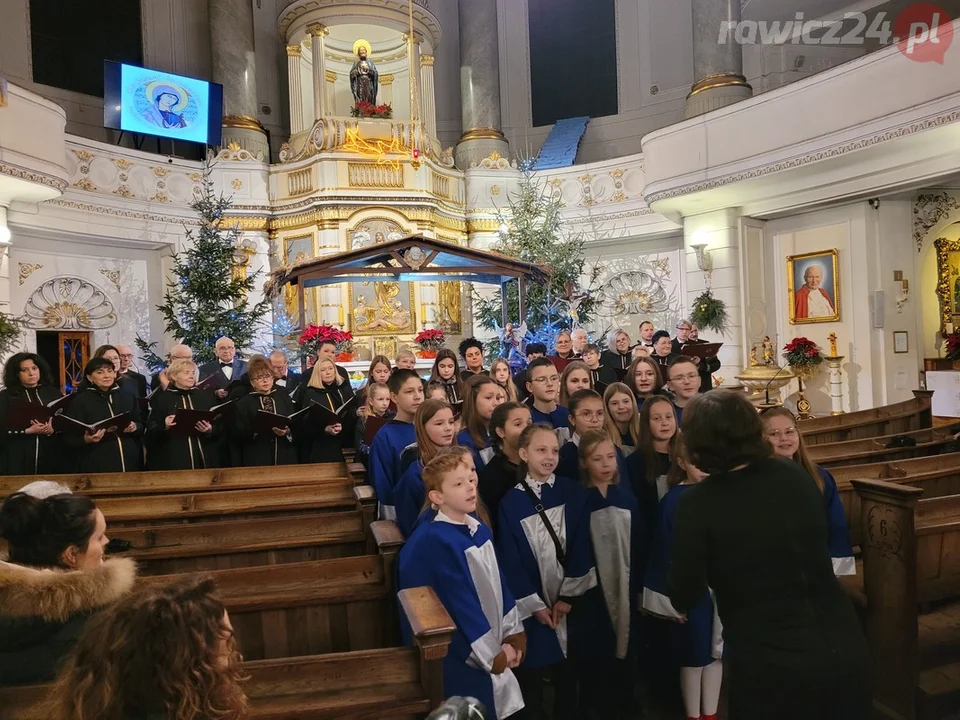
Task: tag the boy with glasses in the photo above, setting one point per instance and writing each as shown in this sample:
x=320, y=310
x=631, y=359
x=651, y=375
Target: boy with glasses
x=543, y=383
x=683, y=379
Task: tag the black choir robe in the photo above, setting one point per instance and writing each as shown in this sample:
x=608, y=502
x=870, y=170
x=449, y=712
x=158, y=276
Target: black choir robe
x=318, y=445
x=22, y=454
x=112, y=454
x=137, y=382
x=166, y=449
x=263, y=448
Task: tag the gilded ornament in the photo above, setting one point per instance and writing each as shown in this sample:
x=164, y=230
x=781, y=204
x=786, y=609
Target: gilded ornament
x=233, y=146
x=124, y=191
x=84, y=155
x=494, y=156
x=237, y=184
x=161, y=171
x=123, y=163
x=195, y=176
x=494, y=190
x=85, y=183
x=928, y=210
x=161, y=197
x=69, y=303
x=618, y=196
x=113, y=276
x=27, y=269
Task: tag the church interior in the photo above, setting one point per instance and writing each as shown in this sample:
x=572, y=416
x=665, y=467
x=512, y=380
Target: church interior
x=772, y=157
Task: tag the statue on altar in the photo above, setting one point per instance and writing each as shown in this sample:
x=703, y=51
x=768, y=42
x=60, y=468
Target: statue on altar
x=364, y=76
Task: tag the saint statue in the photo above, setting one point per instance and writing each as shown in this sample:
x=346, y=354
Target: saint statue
x=364, y=77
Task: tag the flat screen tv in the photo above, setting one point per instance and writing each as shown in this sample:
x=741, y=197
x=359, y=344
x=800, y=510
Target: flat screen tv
x=151, y=102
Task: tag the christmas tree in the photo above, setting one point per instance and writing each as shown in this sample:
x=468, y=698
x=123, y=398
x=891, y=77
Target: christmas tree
x=533, y=230
x=206, y=298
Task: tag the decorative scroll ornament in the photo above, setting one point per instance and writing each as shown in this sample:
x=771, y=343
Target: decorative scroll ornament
x=928, y=210
x=69, y=303
x=27, y=269
x=632, y=293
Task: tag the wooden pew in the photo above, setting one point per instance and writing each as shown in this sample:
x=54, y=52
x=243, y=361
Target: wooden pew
x=397, y=683
x=911, y=560
x=173, y=548
x=184, y=481
x=310, y=608
x=930, y=441
x=887, y=420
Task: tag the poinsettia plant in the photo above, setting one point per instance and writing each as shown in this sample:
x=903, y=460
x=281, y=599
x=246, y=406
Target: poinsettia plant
x=430, y=339
x=311, y=338
x=953, y=346
x=365, y=109
x=802, y=351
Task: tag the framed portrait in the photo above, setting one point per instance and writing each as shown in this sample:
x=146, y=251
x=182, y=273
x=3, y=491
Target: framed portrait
x=900, y=342
x=948, y=282
x=379, y=308
x=813, y=287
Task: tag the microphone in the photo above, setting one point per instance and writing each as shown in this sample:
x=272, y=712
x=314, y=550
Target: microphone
x=766, y=389
x=460, y=708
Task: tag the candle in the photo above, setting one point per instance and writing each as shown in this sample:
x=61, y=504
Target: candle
x=340, y=314
x=423, y=312
x=949, y=328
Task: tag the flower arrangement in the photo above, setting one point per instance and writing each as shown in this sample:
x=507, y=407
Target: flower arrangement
x=802, y=352
x=369, y=110
x=953, y=346
x=11, y=328
x=430, y=342
x=709, y=312
x=310, y=339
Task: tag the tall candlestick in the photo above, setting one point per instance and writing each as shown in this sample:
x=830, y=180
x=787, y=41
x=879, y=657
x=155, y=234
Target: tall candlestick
x=340, y=314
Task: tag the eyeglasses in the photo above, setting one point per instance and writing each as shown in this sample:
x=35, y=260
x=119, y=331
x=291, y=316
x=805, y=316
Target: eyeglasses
x=589, y=415
x=788, y=433
x=681, y=378
x=546, y=380
x=125, y=355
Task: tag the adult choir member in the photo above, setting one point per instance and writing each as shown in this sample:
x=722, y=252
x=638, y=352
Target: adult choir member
x=177, y=352
x=170, y=446
x=127, y=372
x=111, y=353
x=100, y=398
x=755, y=532
x=261, y=444
x=284, y=378
x=227, y=367
x=32, y=450
x=617, y=356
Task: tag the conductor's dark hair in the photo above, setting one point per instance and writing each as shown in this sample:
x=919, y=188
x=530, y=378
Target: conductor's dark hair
x=399, y=378
x=38, y=531
x=467, y=344
x=11, y=371
x=722, y=430
x=95, y=364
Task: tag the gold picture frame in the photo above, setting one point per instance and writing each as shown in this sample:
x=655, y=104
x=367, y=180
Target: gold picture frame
x=948, y=281
x=798, y=290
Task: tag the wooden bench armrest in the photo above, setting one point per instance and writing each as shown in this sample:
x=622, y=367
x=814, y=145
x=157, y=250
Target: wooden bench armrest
x=365, y=494
x=356, y=471
x=897, y=493
x=387, y=535
x=430, y=622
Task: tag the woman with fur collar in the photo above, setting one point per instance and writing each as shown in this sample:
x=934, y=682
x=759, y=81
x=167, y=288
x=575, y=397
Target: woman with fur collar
x=55, y=578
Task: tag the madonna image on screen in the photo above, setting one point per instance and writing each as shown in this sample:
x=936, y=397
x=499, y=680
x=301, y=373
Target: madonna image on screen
x=156, y=103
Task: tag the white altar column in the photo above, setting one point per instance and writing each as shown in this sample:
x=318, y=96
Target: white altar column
x=294, y=58
x=386, y=89
x=427, y=96
x=317, y=33
x=836, y=384
x=5, y=264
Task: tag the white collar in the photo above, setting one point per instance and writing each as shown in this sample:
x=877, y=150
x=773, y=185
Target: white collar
x=471, y=522
x=537, y=485
x=575, y=439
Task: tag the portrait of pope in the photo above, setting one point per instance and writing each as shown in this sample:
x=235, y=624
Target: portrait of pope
x=816, y=289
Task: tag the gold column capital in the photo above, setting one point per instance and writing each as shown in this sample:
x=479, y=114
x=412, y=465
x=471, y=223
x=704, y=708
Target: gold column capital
x=718, y=80
x=318, y=30
x=417, y=37
x=332, y=76
x=386, y=79
x=426, y=61
x=294, y=51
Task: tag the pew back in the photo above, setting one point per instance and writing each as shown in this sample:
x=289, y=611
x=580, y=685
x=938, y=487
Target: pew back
x=887, y=420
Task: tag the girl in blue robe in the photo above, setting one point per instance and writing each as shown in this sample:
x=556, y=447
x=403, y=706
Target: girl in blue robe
x=481, y=395
x=780, y=429
x=453, y=553
x=435, y=429
x=547, y=572
x=586, y=414
x=694, y=642
x=603, y=624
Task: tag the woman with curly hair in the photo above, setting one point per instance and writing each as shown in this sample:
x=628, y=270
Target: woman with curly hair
x=28, y=449
x=167, y=652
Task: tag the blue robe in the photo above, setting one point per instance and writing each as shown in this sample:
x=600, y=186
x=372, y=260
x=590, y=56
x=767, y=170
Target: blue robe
x=459, y=563
x=558, y=419
x=530, y=563
x=481, y=456
x=569, y=465
x=390, y=441
x=841, y=551
x=409, y=497
x=409, y=455
x=601, y=626
x=698, y=642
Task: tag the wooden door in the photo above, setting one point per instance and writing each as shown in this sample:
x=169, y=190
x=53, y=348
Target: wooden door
x=74, y=353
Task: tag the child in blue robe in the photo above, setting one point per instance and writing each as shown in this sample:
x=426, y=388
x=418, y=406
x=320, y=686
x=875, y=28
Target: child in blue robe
x=603, y=625
x=481, y=396
x=543, y=384
x=586, y=414
x=453, y=553
x=780, y=429
x=547, y=571
x=406, y=392
x=694, y=641
x=435, y=428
